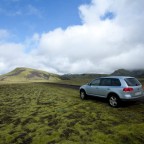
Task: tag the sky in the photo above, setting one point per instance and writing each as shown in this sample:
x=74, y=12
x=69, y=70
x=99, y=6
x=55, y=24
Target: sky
x=72, y=36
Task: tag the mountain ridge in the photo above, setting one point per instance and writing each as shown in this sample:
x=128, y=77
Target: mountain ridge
x=139, y=73
x=28, y=74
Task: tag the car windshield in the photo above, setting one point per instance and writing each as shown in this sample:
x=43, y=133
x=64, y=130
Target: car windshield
x=132, y=82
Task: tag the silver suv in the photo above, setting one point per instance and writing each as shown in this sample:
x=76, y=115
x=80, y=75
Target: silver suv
x=114, y=88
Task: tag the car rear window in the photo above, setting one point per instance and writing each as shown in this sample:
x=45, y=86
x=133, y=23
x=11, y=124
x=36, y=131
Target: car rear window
x=132, y=82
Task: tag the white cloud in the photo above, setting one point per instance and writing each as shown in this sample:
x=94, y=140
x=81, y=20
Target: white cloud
x=95, y=46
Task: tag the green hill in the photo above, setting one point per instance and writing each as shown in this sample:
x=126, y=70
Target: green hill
x=27, y=74
x=22, y=74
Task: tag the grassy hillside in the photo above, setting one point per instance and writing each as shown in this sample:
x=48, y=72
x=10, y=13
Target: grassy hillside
x=28, y=74
x=38, y=113
x=32, y=75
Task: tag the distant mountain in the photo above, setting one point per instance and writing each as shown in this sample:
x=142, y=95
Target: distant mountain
x=121, y=72
x=22, y=74
x=81, y=76
x=134, y=73
x=28, y=74
x=138, y=73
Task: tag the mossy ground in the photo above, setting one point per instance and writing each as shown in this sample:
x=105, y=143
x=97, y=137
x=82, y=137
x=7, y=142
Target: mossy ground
x=38, y=113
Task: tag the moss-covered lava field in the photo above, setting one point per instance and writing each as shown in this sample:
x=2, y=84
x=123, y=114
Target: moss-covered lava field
x=41, y=113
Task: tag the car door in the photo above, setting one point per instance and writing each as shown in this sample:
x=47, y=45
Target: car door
x=93, y=87
x=104, y=87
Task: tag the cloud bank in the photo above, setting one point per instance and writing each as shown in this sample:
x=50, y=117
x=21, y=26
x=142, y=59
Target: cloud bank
x=110, y=37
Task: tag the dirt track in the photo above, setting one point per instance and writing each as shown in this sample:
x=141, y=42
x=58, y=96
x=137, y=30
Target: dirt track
x=64, y=85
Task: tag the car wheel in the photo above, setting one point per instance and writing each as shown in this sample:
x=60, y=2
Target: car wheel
x=83, y=95
x=114, y=101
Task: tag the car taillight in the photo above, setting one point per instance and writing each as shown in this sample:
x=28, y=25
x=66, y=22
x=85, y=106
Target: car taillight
x=128, y=89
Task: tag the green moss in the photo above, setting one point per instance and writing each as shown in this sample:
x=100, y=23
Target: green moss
x=41, y=113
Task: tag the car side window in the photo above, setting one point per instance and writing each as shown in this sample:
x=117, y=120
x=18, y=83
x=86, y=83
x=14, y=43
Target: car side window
x=110, y=82
x=115, y=82
x=105, y=82
x=95, y=82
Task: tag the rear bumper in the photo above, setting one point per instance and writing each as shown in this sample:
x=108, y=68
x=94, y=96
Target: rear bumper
x=140, y=98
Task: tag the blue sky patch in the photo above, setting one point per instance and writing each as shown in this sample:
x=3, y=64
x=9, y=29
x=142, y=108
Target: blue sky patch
x=108, y=15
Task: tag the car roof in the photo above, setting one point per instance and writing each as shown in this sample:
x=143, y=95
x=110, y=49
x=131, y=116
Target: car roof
x=119, y=77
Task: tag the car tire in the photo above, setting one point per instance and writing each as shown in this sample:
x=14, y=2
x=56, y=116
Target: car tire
x=83, y=95
x=114, y=101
